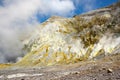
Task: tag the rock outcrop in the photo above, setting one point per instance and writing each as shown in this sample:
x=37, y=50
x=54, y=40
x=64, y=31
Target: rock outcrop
x=69, y=40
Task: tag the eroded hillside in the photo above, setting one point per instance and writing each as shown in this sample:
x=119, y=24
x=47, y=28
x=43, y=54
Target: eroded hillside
x=88, y=36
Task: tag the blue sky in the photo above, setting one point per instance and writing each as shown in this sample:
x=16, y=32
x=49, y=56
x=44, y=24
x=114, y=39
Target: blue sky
x=80, y=7
x=95, y=4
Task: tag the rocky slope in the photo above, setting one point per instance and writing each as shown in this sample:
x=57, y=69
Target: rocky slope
x=106, y=68
x=89, y=36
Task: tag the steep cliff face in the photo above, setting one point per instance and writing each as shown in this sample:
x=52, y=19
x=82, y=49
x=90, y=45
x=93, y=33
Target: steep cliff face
x=68, y=40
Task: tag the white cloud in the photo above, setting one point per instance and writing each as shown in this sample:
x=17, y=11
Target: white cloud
x=18, y=17
x=59, y=7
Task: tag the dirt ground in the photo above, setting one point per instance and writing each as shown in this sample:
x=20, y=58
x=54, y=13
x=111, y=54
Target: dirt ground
x=107, y=68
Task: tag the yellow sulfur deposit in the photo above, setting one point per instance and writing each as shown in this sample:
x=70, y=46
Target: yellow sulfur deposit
x=69, y=40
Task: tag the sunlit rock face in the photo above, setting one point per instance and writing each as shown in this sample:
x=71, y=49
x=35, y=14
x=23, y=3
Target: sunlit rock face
x=68, y=40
